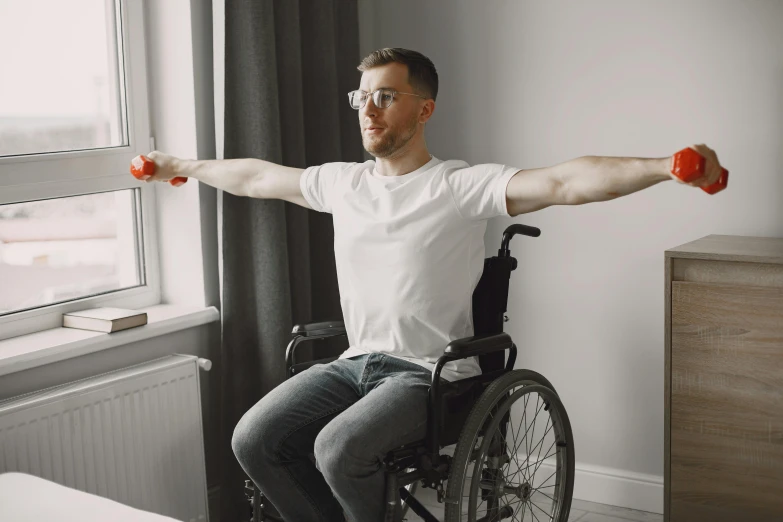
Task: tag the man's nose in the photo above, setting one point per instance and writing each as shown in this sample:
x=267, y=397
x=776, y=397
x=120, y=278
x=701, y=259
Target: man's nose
x=369, y=107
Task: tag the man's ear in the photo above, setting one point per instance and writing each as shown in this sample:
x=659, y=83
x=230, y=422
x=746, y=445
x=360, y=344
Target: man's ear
x=426, y=111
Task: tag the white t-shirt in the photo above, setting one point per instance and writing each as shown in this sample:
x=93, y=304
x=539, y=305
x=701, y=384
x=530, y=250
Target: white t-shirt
x=409, y=251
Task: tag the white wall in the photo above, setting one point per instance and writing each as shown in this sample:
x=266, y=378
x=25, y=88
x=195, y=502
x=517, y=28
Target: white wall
x=182, y=120
x=179, y=53
x=533, y=84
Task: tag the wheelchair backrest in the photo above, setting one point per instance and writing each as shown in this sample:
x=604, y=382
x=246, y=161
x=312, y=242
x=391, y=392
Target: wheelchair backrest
x=490, y=299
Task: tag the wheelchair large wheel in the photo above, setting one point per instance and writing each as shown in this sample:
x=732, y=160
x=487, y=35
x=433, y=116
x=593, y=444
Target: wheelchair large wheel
x=515, y=455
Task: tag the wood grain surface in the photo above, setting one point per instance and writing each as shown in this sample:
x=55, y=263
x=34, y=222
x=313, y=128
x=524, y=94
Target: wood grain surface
x=726, y=412
x=732, y=248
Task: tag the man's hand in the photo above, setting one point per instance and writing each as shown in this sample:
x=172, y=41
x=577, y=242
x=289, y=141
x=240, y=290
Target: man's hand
x=712, y=168
x=166, y=167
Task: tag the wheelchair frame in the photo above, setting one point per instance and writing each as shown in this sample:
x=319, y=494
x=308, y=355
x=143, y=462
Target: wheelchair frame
x=489, y=343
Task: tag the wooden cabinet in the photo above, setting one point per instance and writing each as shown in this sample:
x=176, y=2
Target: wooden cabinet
x=724, y=380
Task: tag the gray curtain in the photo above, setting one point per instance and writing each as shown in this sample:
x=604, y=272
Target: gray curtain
x=289, y=65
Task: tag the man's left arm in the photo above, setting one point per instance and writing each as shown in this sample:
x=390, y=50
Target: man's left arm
x=591, y=179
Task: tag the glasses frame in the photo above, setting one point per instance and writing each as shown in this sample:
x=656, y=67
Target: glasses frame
x=373, y=96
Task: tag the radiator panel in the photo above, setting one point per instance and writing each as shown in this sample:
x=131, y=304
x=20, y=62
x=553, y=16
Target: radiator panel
x=133, y=435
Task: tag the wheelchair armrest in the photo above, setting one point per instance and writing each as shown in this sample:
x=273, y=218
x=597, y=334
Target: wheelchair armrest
x=310, y=332
x=477, y=345
x=320, y=330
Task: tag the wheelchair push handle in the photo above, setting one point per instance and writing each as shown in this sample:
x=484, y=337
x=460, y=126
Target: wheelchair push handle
x=517, y=228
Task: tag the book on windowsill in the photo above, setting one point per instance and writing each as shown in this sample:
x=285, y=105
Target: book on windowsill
x=104, y=319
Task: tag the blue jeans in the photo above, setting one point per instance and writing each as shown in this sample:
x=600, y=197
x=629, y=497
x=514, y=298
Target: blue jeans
x=315, y=444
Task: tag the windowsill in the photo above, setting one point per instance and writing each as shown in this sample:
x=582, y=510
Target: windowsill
x=28, y=351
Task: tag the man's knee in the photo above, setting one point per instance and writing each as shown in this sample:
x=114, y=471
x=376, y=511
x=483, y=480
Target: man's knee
x=327, y=449
x=339, y=450
x=253, y=436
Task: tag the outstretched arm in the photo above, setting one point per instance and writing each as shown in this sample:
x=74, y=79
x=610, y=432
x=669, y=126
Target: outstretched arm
x=590, y=179
x=601, y=178
x=249, y=177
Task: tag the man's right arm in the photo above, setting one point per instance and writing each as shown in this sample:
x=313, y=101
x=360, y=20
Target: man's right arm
x=249, y=177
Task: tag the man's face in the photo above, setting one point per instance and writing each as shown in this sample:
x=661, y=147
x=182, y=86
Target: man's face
x=400, y=121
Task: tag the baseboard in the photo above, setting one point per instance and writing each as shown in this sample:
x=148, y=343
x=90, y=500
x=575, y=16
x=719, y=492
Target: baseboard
x=599, y=484
x=619, y=487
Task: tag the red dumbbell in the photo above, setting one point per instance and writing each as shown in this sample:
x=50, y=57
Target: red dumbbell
x=142, y=168
x=688, y=165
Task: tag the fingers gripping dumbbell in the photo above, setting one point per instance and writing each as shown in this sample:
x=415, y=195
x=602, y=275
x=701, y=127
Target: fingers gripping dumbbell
x=688, y=165
x=142, y=168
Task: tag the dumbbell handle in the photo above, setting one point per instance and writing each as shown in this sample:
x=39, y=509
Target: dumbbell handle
x=688, y=165
x=142, y=168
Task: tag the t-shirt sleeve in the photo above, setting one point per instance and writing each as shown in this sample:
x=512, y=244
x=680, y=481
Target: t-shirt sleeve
x=319, y=184
x=480, y=191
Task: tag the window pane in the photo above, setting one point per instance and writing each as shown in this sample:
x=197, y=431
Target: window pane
x=60, y=249
x=61, y=87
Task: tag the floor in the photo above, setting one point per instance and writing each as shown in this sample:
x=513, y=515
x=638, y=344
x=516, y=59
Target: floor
x=583, y=511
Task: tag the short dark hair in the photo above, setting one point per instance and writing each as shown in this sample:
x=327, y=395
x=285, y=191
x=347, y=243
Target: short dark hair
x=421, y=71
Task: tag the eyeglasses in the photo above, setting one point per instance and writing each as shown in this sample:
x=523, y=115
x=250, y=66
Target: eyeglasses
x=382, y=98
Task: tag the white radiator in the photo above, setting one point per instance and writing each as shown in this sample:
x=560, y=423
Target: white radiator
x=133, y=435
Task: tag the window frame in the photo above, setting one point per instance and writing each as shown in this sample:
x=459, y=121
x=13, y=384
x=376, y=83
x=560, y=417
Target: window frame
x=60, y=174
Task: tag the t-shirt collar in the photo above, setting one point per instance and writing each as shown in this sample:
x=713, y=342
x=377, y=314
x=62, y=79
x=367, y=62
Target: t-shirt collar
x=391, y=179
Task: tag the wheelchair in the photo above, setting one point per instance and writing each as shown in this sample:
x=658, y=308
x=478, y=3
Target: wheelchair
x=495, y=472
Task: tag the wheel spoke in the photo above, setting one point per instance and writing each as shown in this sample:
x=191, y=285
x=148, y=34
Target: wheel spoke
x=533, y=426
x=549, y=477
x=532, y=464
x=527, y=449
x=539, y=449
x=544, y=512
x=524, y=411
x=514, y=444
x=537, y=463
x=540, y=462
x=546, y=430
x=522, y=505
x=531, y=510
x=513, y=453
x=550, y=498
x=514, y=457
x=546, y=457
x=496, y=445
x=527, y=452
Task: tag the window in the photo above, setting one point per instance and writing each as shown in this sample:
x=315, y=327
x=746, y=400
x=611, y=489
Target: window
x=63, y=62
x=56, y=250
x=76, y=229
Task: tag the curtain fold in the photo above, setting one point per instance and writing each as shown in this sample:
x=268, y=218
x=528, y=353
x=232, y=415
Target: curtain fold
x=288, y=67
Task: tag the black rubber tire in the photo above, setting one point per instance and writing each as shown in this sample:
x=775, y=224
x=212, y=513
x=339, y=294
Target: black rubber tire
x=495, y=394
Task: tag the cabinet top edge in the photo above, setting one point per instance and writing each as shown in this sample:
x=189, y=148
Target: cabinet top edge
x=731, y=248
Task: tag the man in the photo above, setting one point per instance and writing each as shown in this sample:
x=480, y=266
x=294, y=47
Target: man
x=409, y=250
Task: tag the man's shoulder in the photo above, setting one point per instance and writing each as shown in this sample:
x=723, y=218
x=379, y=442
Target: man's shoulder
x=453, y=164
x=458, y=169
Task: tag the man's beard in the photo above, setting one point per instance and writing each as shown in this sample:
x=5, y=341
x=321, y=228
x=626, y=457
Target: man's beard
x=390, y=143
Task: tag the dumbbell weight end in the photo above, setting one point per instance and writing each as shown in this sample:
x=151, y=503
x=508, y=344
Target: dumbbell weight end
x=143, y=168
x=688, y=165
